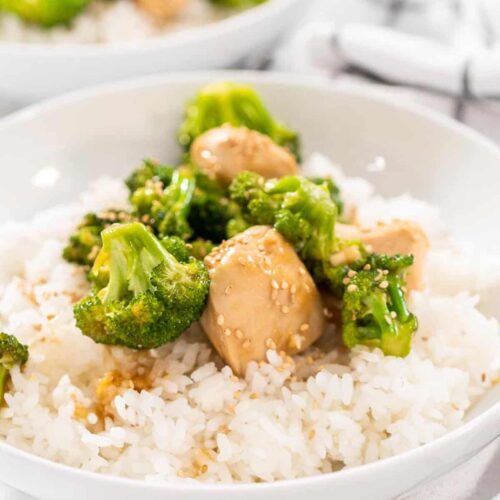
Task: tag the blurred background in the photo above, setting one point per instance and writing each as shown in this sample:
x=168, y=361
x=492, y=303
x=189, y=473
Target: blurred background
x=442, y=53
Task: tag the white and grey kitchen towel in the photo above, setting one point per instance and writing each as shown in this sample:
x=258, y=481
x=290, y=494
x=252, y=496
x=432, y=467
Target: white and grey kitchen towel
x=443, y=53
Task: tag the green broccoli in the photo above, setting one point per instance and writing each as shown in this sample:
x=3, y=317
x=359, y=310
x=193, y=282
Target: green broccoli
x=12, y=352
x=150, y=297
x=170, y=212
x=177, y=247
x=236, y=104
x=183, y=251
x=200, y=248
x=333, y=189
x=211, y=208
x=84, y=244
x=46, y=13
x=374, y=311
x=298, y=208
x=149, y=170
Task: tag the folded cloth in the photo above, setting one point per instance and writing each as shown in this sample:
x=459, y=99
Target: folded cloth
x=465, y=62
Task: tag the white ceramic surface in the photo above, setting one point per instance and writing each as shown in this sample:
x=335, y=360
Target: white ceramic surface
x=108, y=130
x=58, y=68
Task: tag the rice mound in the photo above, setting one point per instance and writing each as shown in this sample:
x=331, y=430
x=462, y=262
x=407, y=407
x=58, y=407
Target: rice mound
x=105, y=22
x=178, y=414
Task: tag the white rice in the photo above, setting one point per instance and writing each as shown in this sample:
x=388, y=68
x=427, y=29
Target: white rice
x=110, y=22
x=195, y=420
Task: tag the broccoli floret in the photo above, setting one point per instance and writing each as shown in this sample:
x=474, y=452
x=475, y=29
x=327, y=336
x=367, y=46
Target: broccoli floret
x=177, y=247
x=170, y=213
x=189, y=203
x=200, y=248
x=149, y=170
x=211, y=208
x=333, y=189
x=150, y=297
x=298, y=208
x=46, y=13
x=12, y=352
x=374, y=311
x=238, y=105
x=84, y=244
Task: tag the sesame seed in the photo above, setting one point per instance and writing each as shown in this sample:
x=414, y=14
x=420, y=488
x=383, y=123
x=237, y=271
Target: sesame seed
x=246, y=344
x=393, y=314
x=304, y=327
x=367, y=267
x=239, y=334
x=327, y=313
x=242, y=261
x=352, y=288
x=274, y=294
x=227, y=291
x=302, y=270
x=293, y=288
x=220, y=319
x=284, y=285
x=387, y=318
x=384, y=284
x=285, y=309
x=270, y=344
x=227, y=332
x=275, y=284
x=307, y=288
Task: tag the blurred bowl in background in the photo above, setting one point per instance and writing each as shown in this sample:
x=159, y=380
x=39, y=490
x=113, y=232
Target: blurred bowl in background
x=59, y=68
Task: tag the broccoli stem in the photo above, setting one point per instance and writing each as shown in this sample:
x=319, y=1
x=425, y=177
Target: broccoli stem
x=133, y=252
x=398, y=300
x=4, y=373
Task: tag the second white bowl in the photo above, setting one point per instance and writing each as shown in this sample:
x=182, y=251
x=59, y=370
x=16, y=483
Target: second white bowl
x=33, y=71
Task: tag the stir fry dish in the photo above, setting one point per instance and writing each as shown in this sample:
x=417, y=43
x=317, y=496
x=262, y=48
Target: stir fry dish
x=236, y=238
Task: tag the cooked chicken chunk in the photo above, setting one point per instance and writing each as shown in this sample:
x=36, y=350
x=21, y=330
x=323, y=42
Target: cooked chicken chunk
x=226, y=151
x=162, y=10
x=397, y=237
x=261, y=297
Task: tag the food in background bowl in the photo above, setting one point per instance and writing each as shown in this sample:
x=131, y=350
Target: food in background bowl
x=239, y=326
x=107, y=21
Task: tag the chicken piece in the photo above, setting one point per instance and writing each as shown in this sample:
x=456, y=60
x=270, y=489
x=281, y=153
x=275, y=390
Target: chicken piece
x=162, y=10
x=261, y=297
x=397, y=237
x=224, y=152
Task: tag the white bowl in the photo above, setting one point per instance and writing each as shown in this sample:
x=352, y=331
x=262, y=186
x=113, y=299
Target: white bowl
x=61, y=68
x=108, y=130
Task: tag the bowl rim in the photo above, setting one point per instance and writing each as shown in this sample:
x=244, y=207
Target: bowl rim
x=308, y=83
x=175, y=39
